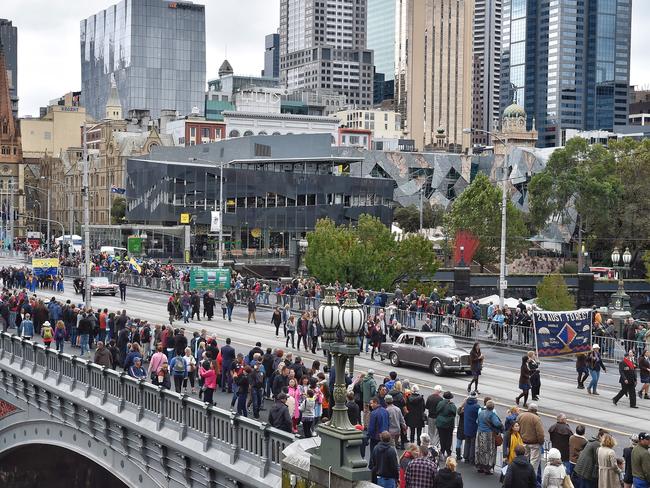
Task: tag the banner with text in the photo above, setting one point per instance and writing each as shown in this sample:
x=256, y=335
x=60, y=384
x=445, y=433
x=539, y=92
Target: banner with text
x=562, y=333
x=46, y=266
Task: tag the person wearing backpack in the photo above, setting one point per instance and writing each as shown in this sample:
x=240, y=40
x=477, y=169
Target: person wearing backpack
x=47, y=334
x=178, y=368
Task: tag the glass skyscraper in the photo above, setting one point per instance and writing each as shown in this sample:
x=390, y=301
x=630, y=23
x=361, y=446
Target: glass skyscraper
x=567, y=62
x=381, y=35
x=155, y=49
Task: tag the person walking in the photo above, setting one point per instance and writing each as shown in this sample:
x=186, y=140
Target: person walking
x=609, y=472
x=532, y=433
x=582, y=369
x=122, y=287
x=520, y=473
x=595, y=365
x=291, y=332
x=644, y=374
x=179, y=371
x=535, y=378
x=448, y=477
x=276, y=320
x=252, y=308
x=415, y=414
x=383, y=462
x=554, y=471
x=627, y=379
x=476, y=365
x=524, y=381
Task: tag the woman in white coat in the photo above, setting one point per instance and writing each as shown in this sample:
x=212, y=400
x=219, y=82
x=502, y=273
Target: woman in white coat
x=554, y=471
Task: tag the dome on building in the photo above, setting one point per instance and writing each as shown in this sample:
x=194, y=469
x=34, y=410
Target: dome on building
x=440, y=130
x=514, y=110
x=225, y=69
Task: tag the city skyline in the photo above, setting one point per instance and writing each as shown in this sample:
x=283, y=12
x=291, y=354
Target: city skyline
x=224, y=34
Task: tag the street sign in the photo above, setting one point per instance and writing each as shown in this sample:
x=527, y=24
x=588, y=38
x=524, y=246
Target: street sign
x=209, y=279
x=503, y=284
x=134, y=245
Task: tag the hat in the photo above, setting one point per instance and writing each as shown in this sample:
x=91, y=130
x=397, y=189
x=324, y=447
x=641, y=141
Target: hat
x=448, y=395
x=596, y=346
x=415, y=388
x=634, y=438
x=389, y=398
x=643, y=436
x=47, y=323
x=437, y=388
x=554, y=454
x=371, y=371
x=282, y=396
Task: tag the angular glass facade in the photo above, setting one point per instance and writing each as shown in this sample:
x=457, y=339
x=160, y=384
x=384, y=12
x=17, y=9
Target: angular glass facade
x=381, y=35
x=567, y=63
x=154, y=48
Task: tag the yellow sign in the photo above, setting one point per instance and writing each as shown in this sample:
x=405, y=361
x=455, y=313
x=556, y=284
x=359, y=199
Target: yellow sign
x=187, y=256
x=185, y=218
x=45, y=263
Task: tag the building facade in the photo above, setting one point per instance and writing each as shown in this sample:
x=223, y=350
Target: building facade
x=193, y=130
x=9, y=44
x=381, y=39
x=567, y=63
x=383, y=124
x=271, y=56
x=486, y=52
x=154, y=49
x=323, y=46
x=433, y=82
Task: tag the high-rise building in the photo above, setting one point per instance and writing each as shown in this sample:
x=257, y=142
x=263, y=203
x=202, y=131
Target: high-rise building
x=155, y=49
x=271, y=56
x=381, y=35
x=9, y=44
x=486, y=66
x=433, y=83
x=567, y=62
x=323, y=47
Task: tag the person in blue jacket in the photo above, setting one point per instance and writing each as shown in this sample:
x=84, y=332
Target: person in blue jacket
x=379, y=422
x=470, y=427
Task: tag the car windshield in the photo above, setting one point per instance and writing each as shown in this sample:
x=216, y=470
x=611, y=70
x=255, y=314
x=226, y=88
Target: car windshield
x=443, y=341
x=99, y=281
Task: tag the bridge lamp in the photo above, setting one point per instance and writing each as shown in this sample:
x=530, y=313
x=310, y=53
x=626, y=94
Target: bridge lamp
x=620, y=301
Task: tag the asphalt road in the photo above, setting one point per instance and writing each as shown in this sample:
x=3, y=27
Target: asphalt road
x=499, y=379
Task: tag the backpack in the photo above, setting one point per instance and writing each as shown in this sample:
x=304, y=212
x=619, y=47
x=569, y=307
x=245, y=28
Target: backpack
x=179, y=365
x=47, y=333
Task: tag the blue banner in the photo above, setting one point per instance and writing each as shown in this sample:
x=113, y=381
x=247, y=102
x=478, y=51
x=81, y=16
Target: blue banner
x=120, y=191
x=562, y=333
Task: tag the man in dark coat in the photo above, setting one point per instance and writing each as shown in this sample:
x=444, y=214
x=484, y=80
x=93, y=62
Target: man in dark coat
x=279, y=414
x=560, y=432
x=227, y=357
x=520, y=472
x=627, y=371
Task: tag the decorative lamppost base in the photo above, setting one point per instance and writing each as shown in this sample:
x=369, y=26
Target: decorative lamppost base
x=340, y=450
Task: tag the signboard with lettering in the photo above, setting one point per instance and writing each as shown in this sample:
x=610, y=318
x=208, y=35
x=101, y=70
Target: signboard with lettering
x=185, y=218
x=203, y=279
x=562, y=333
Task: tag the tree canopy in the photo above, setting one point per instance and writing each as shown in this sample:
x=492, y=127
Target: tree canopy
x=367, y=255
x=553, y=294
x=408, y=218
x=478, y=210
x=118, y=210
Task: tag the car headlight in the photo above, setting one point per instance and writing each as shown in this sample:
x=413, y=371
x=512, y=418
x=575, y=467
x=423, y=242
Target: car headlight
x=455, y=359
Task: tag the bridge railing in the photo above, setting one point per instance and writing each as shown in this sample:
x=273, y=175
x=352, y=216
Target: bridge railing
x=215, y=427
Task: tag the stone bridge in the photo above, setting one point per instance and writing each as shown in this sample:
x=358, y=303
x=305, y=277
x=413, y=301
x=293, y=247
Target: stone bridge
x=144, y=435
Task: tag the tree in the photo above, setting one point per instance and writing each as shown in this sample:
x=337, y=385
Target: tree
x=553, y=294
x=367, y=255
x=408, y=218
x=478, y=210
x=118, y=210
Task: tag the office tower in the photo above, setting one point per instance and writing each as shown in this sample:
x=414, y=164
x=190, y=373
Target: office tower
x=486, y=65
x=155, y=50
x=323, y=47
x=9, y=44
x=433, y=83
x=271, y=56
x=381, y=39
x=567, y=62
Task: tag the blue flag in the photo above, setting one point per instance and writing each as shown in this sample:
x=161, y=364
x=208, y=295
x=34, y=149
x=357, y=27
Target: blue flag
x=120, y=191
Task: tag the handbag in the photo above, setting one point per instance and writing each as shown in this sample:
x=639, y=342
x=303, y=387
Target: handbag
x=498, y=440
x=566, y=482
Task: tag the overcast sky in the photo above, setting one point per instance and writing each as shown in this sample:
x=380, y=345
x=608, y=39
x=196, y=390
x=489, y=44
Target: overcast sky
x=48, y=41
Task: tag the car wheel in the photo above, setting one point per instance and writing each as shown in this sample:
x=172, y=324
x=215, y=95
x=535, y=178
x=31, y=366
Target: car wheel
x=113, y=294
x=437, y=368
x=394, y=360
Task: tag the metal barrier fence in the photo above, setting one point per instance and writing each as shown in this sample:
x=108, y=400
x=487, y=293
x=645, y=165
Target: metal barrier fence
x=216, y=428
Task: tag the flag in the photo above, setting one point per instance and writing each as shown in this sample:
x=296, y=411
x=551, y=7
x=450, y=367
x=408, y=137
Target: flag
x=135, y=266
x=115, y=189
x=215, y=221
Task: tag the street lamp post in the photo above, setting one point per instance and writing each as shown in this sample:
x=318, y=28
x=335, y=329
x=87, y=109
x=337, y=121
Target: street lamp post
x=504, y=201
x=620, y=300
x=85, y=191
x=340, y=441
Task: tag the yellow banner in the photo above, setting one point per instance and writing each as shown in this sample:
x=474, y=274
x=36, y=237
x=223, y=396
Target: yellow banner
x=45, y=263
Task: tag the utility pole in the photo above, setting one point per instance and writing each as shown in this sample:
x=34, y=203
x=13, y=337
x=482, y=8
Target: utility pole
x=85, y=193
x=421, y=207
x=49, y=235
x=10, y=206
x=504, y=206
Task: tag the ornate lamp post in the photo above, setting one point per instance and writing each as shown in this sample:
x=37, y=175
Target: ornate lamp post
x=621, y=300
x=340, y=441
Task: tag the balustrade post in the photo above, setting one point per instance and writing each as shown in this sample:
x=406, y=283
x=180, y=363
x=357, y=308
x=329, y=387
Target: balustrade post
x=235, y=440
x=91, y=422
x=182, y=432
x=208, y=434
x=34, y=360
x=73, y=384
x=104, y=385
x=264, y=459
x=89, y=386
x=59, y=356
x=120, y=405
x=12, y=356
x=140, y=412
x=161, y=415
x=22, y=360
x=75, y=415
x=46, y=369
x=50, y=409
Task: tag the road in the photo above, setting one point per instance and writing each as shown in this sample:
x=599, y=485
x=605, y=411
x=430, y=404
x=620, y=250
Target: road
x=499, y=379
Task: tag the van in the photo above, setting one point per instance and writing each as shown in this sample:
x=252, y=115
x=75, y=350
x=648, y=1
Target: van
x=113, y=251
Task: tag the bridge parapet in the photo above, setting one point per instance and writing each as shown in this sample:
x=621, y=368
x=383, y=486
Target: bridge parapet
x=100, y=402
